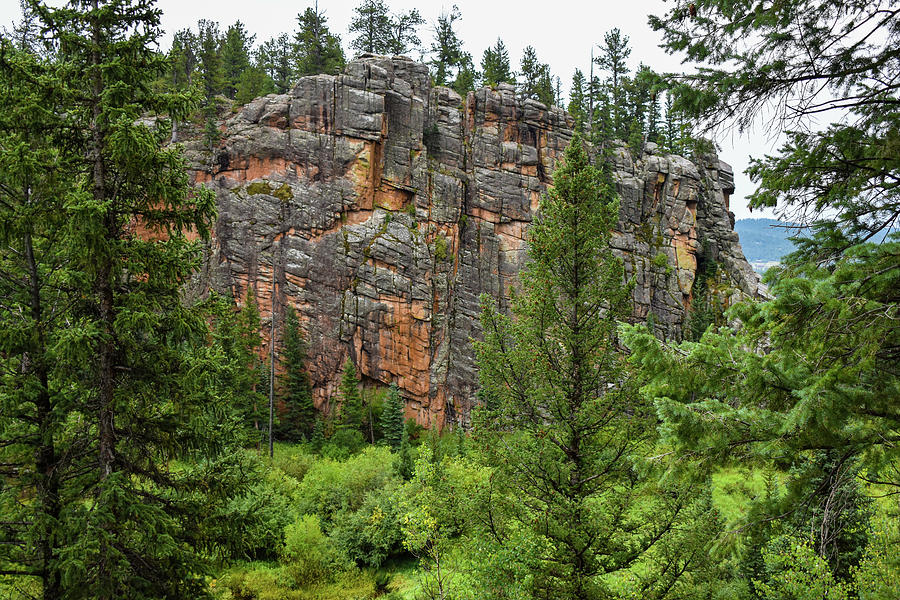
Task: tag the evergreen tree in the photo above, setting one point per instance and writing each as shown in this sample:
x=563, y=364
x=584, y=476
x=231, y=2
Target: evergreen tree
x=466, y=76
x=316, y=49
x=613, y=58
x=393, y=419
x=446, y=49
x=276, y=57
x=373, y=28
x=300, y=412
x=253, y=82
x=250, y=380
x=129, y=356
x=351, y=412
x=495, y=65
x=236, y=46
x=183, y=57
x=36, y=182
x=403, y=31
x=536, y=82
x=578, y=101
x=574, y=496
x=815, y=368
x=212, y=77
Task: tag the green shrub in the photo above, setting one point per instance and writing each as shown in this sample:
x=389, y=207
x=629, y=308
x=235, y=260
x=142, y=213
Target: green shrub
x=441, y=247
x=251, y=524
x=371, y=534
x=294, y=460
x=308, y=555
x=331, y=486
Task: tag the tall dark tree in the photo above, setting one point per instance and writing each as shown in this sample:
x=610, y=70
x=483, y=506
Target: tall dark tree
x=183, y=59
x=495, y=67
x=236, y=47
x=392, y=418
x=404, y=36
x=212, y=77
x=372, y=26
x=814, y=370
x=613, y=59
x=570, y=426
x=446, y=49
x=317, y=50
x=300, y=412
x=578, y=101
x=276, y=57
x=129, y=352
x=352, y=410
x=36, y=181
x=536, y=82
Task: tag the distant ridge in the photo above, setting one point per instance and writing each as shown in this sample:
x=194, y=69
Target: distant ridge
x=765, y=241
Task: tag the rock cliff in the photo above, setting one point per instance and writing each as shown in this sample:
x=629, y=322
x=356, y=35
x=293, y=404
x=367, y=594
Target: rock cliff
x=383, y=207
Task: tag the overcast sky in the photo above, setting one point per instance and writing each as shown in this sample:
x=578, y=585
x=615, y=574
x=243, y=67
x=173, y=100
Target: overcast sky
x=562, y=32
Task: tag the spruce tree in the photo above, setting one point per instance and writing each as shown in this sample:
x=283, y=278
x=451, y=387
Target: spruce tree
x=236, y=46
x=276, y=57
x=300, y=412
x=578, y=101
x=129, y=353
x=570, y=431
x=316, y=49
x=372, y=25
x=446, y=49
x=351, y=411
x=393, y=418
x=404, y=37
x=613, y=58
x=495, y=65
x=36, y=181
x=536, y=81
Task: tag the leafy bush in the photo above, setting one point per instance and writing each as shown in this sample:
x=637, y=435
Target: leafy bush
x=308, y=555
x=331, y=486
x=371, y=534
x=252, y=523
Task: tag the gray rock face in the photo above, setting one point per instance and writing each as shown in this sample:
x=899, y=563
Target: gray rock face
x=383, y=208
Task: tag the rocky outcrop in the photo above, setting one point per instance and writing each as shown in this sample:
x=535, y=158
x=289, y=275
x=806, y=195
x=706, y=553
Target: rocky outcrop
x=382, y=208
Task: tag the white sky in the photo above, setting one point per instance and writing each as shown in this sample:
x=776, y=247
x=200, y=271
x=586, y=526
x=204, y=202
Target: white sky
x=562, y=32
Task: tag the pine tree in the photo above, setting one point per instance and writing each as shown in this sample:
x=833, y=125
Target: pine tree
x=403, y=31
x=276, y=57
x=495, y=65
x=212, y=78
x=578, y=101
x=129, y=353
x=36, y=181
x=571, y=427
x=250, y=380
x=351, y=412
x=300, y=412
x=253, y=82
x=466, y=76
x=316, y=49
x=236, y=46
x=536, y=81
x=392, y=418
x=613, y=58
x=372, y=24
x=446, y=49
x=183, y=60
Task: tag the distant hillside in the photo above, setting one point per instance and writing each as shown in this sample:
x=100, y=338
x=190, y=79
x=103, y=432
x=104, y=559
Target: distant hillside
x=764, y=241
